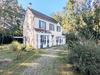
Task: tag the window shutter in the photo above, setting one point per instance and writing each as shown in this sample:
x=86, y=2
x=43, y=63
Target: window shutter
x=39, y=23
x=49, y=26
x=53, y=28
x=45, y=25
x=57, y=28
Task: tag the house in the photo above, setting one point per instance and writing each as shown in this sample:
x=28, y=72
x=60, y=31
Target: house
x=41, y=31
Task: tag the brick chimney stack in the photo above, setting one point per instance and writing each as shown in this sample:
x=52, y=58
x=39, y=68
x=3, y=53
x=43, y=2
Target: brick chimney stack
x=30, y=4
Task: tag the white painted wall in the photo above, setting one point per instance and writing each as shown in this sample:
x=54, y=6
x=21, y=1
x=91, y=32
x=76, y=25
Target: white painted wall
x=28, y=29
x=63, y=39
x=36, y=25
x=32, y=22
x=38, y=39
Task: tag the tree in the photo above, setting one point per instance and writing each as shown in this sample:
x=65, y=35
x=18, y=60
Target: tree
x=87, y=22
x=66, y=17
x=78, y=16
x=57, y=16
x=11, y=18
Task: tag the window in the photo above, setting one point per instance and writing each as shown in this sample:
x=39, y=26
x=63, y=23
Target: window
x=42, y=24
x=58, y=29
x=44, y=39
x=51, y=27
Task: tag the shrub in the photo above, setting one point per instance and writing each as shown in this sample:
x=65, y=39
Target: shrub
x=23, y=47
x=85, y=57
x=14, y=45
x=30, y=45
x=19, y=55
x=71, y=37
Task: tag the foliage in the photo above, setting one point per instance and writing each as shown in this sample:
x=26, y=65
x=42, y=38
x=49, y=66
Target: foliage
x=57, y=16
x=23, y=47
x=30, y=45
x=88, y=24
x=14, y=46
x=71, y=37
x=85, y=57
x=78, y=15
x=11, y=18
x=66, y=17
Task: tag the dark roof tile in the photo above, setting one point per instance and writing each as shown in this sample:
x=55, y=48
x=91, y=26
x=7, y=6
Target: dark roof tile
x=42, y=16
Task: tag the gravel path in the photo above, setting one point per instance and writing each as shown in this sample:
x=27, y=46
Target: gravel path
x=42, y=65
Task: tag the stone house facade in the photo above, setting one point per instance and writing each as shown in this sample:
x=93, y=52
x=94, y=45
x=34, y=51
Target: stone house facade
x=41, y=31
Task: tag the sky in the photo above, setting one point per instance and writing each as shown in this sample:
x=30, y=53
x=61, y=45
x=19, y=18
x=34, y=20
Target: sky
x=44, y=6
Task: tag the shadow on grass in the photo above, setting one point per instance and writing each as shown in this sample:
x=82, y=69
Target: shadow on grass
x=64, y=67
x=60, y=65
x=17, y=66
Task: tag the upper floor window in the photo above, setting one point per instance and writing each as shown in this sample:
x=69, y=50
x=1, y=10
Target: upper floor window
x=42, y=24
x=51, y=27
x=58, y=29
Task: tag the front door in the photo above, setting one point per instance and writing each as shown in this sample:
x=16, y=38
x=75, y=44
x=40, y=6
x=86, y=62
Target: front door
x=52, y=40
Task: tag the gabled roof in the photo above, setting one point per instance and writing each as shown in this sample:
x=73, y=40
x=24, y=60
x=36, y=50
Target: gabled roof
x=42, y=16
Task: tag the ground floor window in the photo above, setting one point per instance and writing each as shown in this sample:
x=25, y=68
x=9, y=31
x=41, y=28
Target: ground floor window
x=58, y=40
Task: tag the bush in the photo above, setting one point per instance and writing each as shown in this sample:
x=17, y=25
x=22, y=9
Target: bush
x=71, y=37
x=14, y=46
x=23, y=47
x=85, y=57
x=30, y=45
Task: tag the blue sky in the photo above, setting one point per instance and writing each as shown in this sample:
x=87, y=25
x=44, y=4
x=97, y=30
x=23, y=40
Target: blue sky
x=44, y=6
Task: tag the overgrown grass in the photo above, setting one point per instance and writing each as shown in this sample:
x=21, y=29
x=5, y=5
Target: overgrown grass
x=59, y=64
x=85, y=57
x=14, y=68
x=63, y=66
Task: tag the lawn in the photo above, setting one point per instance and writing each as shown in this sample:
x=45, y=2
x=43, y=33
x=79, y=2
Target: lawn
x=51, y=61
x=10, y=61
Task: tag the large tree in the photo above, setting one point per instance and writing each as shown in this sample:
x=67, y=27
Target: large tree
x=78, y=16
x=11, y=18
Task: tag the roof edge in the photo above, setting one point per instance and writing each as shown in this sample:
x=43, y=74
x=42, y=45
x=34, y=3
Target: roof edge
x=43, y=14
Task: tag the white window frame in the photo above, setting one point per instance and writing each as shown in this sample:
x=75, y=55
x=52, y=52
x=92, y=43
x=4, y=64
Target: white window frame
x=42, y=25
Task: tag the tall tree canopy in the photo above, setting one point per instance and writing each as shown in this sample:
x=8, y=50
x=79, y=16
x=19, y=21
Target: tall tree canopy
x=78, y=16
x=11, y=18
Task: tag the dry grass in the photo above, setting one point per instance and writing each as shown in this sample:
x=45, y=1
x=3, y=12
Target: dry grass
x=50, y=61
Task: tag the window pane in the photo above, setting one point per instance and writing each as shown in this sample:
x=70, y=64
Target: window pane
x=42, y=25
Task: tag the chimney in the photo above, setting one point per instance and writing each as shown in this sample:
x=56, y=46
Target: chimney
x=30, y=5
